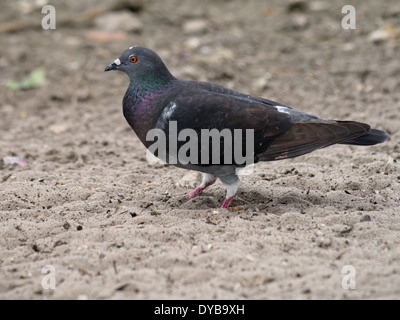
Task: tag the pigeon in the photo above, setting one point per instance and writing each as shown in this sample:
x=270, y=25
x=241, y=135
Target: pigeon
x=156, y=101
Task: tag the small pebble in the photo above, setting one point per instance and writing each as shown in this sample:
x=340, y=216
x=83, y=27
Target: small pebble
x=378, y=36
x=365, y=218
x=194, y=26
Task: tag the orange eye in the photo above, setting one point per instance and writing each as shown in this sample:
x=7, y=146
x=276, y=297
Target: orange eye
x=133, y=59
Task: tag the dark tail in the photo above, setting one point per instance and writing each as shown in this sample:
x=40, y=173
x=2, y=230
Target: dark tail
x=369, y=139
x=304, y=137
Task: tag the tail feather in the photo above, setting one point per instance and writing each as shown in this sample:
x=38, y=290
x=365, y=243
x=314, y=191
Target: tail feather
x=373, y=137
x=305, y=137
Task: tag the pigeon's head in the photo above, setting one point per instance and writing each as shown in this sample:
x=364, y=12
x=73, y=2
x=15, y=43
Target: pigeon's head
x=141, y=64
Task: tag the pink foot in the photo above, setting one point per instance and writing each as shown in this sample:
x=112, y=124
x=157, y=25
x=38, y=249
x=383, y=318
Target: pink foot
x=226, y=203
x=196, y=192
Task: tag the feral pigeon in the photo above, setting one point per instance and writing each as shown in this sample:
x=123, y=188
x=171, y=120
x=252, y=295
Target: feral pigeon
x=157, y=103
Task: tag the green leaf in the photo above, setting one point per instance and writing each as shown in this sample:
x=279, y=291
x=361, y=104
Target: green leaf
x=35, y=79
x=13, y=85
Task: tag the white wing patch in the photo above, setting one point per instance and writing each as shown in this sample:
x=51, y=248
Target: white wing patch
x=169, y=110
x=282, y=109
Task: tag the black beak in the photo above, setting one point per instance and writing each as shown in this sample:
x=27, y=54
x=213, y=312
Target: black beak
x=111, y=66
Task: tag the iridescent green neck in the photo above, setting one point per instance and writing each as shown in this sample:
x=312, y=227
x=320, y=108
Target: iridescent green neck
x=151, y=81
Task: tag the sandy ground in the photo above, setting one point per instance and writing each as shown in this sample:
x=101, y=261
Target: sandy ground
x=112, y=226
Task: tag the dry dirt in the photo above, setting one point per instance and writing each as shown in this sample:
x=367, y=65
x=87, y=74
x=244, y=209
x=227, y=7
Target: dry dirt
x=112, y=226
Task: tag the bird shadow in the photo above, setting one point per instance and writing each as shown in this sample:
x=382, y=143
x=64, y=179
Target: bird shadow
x=254, y=200
x=202, y=202
x=279, y=202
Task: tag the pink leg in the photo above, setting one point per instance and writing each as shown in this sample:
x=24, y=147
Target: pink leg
x=194, y=193
x=231, y=184
x=208, y=180
x=198, y=190
x=226, y=203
